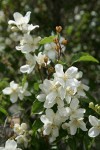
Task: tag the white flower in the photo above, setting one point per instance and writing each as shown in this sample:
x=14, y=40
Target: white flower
x=10, y=145
x=68, y=91
x=28, y=44
x=74, y=124
x=95, y=130
x=49, y=49
x=23, y=91
x=52, y=122
x=81, y=88
x=75, y=111
x=50, y=94
x=62, y=77
x=22, y=139
x=20, y=129
x=12, y=91
x=15, y=91
x=22, y=22
x=40, y=59
x=28, y=68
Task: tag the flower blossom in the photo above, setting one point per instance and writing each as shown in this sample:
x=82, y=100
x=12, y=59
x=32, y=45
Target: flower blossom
x=21, y=132
x=74, y=124
x=52, y=122
x=10, y=145
x=49, y=49
x=31, y=62
x=15, y=91
x=95, y=130
x=42, y=59
x=28, y=44
x=21, y=22
x=50, y=94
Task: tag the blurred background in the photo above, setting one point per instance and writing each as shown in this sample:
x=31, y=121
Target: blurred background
x=80, y=20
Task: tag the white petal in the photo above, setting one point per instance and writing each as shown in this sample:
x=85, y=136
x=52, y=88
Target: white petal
x=73, y=130
x=26, y=49
x=93, y=132
x=71, y=72
x=10, y=144
x=51, y=97
x=74, y=104
x=7, y=91
x=62, y=92
x=49, y=113
x=44, y=119
x=25, y=68
x=27, y=17
x=93, y=120
x=79, y=74
x=19, y=48
x=2, y=148
x=68, y=99
x=14, y=97
x=64, y=112
x=21, y=96
x=47, y=130
x=31, y=27
x=59, y=70
x=49, y=103
x=85, y=87
x=60, y=102
x=55, y=132
x=83, y=126
x=11, y=22
x=13, y=85
x=18, y=17
x=41, y=97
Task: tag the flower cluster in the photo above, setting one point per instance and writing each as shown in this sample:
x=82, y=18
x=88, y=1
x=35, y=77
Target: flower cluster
x=21, y=133
x=28, y=44
x=64, y=91
x=60, y=94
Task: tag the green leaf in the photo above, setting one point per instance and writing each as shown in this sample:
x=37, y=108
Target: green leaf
x=2, y=110
x=36, y=86
x=47, y=40
x=36, y=125
x=37, y=107
x=83, y=57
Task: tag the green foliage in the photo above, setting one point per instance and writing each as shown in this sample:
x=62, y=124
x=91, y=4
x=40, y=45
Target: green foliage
x=36, y=125
x=47, y=40
x=2, y=110
x=83, y=57
x=37, y=107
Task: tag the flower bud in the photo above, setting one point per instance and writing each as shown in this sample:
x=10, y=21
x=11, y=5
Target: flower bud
x=45, y=59
x=14, y=29
x=50, y=70
x=58, y=29
x=64, y=42
x=91, y=105
x=55, y=40
x=96, y=107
